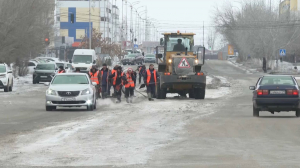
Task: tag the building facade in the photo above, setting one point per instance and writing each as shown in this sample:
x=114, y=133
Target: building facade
x=104, y=17
x=288, y=7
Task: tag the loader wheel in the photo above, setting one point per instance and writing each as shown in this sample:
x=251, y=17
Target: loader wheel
x=160, y=93
x=191, y=94
x=199, y=93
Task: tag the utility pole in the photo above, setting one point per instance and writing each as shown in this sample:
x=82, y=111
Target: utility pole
x=105, y=20
x=203, y=33
x=126, y=25
x=90, y=26
x=122, y=25
x=131, y=27
x=112, y=23
x=146, y=24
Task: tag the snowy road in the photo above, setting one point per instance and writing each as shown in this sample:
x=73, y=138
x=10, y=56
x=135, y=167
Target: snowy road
x=177, y=132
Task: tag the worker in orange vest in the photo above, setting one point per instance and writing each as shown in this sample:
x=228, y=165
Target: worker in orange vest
x=61, y=70
x=117, y=79
x=128, y=80
x=95, y=77
x=151, y=80
x=113, y=79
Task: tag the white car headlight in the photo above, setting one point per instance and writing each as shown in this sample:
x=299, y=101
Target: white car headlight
x=51, y=92
x=86, y=92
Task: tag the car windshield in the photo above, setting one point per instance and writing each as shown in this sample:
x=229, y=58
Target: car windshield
x=87, y=59
x=277, y=80
x=45, y=67
x=179, y=43
x=70, y=79
x=2, y=69
x=150, y=56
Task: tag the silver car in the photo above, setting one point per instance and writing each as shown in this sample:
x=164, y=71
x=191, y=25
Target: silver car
x=71, y=90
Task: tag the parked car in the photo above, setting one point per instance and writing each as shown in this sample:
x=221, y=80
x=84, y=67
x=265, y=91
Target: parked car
x=6, y=78
x=129, y=59
x=31, y=65
x=44, y=72
x=150, y=58
x=71, y=90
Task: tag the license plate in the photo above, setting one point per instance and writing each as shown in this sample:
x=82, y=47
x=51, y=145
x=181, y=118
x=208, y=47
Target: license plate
x=277, y=92
x=68, y=99
x=43, y=76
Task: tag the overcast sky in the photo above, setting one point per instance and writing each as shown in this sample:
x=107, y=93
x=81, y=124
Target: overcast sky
x=183, y=15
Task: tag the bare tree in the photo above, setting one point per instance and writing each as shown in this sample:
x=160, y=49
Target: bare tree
x=23, y=28
x=256, y=30
x=211, y=39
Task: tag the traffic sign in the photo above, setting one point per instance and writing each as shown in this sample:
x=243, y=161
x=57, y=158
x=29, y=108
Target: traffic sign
x=184, y=63
x=282, y=52
x=136, y=46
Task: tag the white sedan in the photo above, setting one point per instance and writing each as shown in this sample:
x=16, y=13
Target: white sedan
x=71, y=90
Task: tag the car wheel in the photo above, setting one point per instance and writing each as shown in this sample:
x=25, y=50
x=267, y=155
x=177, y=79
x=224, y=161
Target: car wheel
x=90, y=108
x=95, y=105
x=255, y=112
x=191, y=94
x=6, y=88
x=298, y=113
x=50, y=108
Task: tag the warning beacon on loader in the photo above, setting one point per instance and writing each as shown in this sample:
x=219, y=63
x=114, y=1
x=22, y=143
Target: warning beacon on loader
x=180, y=70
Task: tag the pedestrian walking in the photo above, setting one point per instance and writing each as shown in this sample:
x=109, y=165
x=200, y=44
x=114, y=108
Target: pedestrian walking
x=142, y=72
x=105, y=84
x=128, y=80
x=114, y=79
x=151, y=79
x=95, y=77
x=117, y=78
x=265, y=65
x=61, y=70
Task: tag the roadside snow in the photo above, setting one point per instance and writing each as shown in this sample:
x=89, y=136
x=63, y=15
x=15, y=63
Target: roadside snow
x=120, y=134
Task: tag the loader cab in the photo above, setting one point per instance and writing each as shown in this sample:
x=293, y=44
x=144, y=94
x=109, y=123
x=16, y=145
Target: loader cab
x=176, y=46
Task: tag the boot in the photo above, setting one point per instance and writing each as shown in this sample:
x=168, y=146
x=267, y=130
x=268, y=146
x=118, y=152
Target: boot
x=131, y=98
x=118, y=101
x=150, y=97
x=127, y=100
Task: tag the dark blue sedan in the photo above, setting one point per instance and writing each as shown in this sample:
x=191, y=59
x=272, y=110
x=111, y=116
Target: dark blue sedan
x=276, y=93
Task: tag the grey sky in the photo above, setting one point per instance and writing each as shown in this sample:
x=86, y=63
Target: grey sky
x=183, y=15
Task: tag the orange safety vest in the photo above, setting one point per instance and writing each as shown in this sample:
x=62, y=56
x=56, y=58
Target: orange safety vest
x=94, y=77
x=115, y=77
x=130, y=82
x=61, y=71
x=149, y=76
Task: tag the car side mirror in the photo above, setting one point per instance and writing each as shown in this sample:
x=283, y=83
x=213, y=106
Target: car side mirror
x=9, y=71
x=252, y=87
x=94, y=83
x=46, y=83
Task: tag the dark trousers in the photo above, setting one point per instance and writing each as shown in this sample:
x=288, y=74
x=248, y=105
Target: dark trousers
x=129, y=92
x=119, y=94
x=140, y=78
x=105, y=90
x=151, y=89
x=98, y=91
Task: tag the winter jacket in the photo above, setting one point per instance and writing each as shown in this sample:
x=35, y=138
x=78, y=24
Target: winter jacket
x=104, y=76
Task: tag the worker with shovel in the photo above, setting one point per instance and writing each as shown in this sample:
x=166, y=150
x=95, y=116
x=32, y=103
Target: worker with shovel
x=128, y=80
x=105, y=85
x=117, y=78
x=151, y=80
